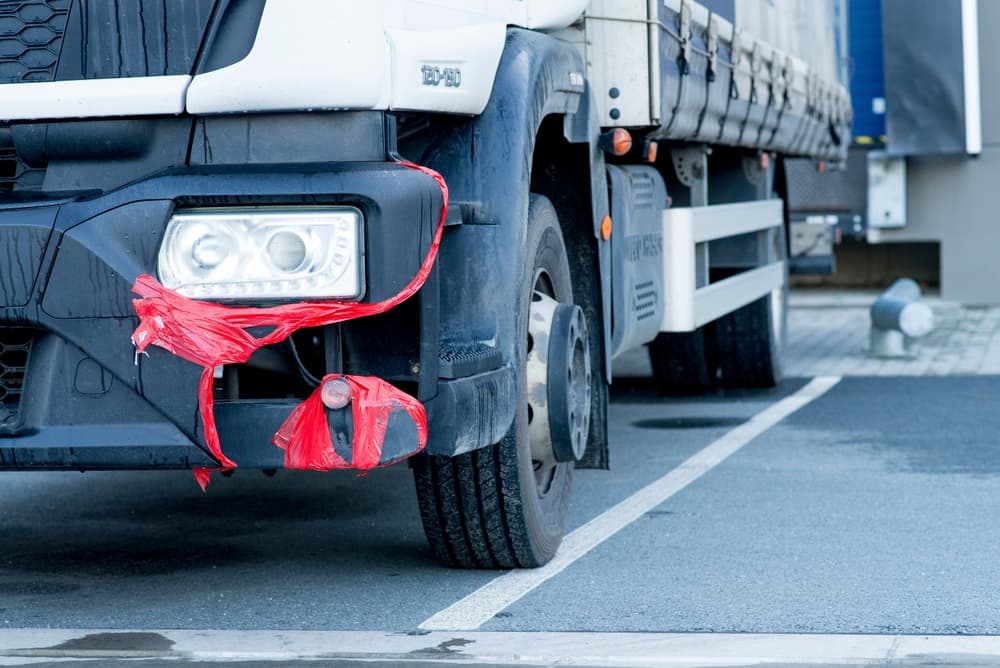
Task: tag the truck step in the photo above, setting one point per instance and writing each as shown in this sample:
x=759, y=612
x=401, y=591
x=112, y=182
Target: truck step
x=459, y=360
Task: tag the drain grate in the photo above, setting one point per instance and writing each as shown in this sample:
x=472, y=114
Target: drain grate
x=698, y=422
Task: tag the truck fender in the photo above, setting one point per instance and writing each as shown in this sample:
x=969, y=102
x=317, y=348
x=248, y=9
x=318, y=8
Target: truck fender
x=488, y=165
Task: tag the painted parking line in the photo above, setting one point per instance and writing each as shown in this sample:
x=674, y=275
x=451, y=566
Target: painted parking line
x=24, y=646
x=483, y=604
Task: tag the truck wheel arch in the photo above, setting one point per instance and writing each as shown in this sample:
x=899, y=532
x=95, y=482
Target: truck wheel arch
x=536, y=134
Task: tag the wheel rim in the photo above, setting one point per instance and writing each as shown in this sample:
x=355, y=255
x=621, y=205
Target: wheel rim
x=558, y=415
x=539, y=434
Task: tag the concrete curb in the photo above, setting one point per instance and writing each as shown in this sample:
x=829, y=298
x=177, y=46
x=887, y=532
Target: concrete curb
x=25, y=646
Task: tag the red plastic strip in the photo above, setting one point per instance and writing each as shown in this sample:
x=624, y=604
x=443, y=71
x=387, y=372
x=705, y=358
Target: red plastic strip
x=305, y=435
x=211, y=335
x=203, y=476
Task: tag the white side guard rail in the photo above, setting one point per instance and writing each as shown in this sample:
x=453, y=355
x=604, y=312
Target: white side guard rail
x=688, y=305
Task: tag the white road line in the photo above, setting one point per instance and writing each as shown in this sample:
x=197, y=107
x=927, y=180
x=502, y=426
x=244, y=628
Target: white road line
x=481, y=605
x=26, y=646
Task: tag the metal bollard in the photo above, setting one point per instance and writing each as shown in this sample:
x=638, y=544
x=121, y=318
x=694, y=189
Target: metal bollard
x=898, y=317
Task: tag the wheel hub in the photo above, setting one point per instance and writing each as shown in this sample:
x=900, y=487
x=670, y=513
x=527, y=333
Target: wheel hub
x=559, y=377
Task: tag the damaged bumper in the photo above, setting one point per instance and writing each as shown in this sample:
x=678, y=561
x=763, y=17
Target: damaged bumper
x=73, y=392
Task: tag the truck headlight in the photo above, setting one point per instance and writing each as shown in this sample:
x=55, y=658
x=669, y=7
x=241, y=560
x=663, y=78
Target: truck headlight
x=268, y=253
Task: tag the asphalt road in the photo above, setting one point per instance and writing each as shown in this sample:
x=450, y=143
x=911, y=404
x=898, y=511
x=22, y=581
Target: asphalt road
x=871, y=510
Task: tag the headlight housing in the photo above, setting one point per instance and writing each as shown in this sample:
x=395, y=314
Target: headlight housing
x=264, y=253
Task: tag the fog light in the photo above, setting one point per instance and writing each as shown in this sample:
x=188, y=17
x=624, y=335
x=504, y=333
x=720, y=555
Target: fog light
x=335, y=393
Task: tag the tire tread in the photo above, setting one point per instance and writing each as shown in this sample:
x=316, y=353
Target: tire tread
x=681, y=362
x=476, y=510
x=466, y=514
x=746, y=353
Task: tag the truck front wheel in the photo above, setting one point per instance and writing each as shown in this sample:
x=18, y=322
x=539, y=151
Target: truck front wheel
x=505, y=506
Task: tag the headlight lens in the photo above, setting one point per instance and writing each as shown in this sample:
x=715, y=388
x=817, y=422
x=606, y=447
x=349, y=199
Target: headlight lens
x=288, y=253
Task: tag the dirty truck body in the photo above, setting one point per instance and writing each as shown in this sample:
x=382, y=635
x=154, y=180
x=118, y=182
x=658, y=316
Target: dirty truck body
x=272, y=153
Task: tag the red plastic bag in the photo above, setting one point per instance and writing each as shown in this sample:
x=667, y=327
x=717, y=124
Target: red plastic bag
x=305, y=435
x=211, y=335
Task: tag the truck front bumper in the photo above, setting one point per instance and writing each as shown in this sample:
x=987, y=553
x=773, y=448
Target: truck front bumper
x=76, y=396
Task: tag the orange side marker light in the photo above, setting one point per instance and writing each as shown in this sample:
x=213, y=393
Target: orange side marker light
x=616, y=142
x=606, y=228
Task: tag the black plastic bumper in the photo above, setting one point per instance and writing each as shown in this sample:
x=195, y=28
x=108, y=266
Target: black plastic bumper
x=66, y=274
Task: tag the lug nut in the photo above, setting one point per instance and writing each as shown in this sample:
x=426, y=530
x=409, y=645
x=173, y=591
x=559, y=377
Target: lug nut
x=335, y=393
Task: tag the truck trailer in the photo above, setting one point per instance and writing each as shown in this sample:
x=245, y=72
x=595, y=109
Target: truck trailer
x=318, y=234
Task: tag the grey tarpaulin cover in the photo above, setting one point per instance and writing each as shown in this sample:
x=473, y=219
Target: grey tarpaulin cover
x=924, y=75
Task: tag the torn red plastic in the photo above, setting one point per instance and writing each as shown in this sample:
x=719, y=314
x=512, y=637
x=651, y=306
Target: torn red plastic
x=211, y=335
x=203, y=476
x=305, y=434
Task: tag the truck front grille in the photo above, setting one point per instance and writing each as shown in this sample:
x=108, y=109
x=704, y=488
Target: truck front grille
x=15, y=345
x=31, y=34
x=14, y=174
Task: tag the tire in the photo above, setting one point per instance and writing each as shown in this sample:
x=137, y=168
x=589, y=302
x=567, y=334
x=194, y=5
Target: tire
x=682, y=362
x=750, y=341
x=486, y=508
x=587, y=290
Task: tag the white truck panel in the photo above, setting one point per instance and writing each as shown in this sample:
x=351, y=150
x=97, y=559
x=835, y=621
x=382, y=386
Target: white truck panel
x=373, y=55
x=324, y=63
x=140, y=96
x=348, y=55
x=470, y=52
x=624, y=68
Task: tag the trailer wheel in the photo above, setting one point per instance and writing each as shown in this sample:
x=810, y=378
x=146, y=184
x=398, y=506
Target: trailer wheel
x=505, y=506
x=750, y=341
x=682, y=362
